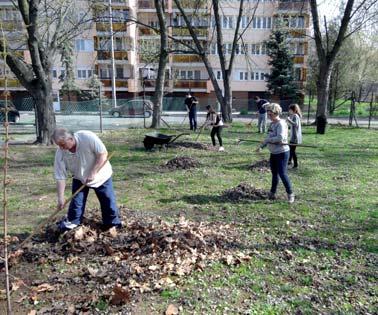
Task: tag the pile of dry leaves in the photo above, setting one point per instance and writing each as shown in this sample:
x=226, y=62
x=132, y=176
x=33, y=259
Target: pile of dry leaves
x=244, y=191
x=183, y=162
x=191, y=145
x=147, y=255
x=260, y=166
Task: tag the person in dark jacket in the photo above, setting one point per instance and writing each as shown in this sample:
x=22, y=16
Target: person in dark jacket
x=261, y=113
x=294, y=121
x=213, y=119
x=191, y=106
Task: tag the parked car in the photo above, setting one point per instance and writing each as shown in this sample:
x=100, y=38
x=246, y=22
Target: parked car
x=13, y=113
x=133, y=108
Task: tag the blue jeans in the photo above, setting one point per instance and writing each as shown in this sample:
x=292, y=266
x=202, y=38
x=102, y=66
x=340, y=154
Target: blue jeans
x=278, y=166
x=106, y=196
x=193, y=119
x=261, y=123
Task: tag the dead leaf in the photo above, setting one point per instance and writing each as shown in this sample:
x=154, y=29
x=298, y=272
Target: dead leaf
x=32, y=312
x=17, y=284
x=79, y=233
x=44, y=287
x=171, y=310
x=120, y=295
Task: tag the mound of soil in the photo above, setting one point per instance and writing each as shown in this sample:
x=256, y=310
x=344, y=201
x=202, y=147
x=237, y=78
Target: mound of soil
x=116, y=266
x=191, y=145
x=244, y=192
x=183, y=162
x=260, y=166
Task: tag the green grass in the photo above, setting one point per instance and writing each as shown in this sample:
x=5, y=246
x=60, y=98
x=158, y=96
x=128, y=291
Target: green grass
x=316, y=256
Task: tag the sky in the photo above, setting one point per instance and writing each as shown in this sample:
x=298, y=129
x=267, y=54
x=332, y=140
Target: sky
x=329, y=8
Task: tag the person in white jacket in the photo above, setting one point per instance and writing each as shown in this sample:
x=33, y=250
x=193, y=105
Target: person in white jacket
x=294, y=121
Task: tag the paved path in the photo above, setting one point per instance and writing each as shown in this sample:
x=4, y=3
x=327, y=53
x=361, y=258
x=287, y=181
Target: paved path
x=25, y=130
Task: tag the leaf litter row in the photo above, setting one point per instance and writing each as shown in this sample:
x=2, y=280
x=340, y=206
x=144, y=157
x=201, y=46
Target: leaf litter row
x=146, y=255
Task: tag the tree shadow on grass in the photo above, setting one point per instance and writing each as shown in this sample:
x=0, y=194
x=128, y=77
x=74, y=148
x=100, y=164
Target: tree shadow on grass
x=199, y=199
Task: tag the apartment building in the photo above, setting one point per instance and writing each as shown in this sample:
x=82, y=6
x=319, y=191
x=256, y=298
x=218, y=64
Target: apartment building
x=136, y=47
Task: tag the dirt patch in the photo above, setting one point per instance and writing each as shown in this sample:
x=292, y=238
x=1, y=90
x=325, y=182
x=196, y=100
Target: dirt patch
x=192, y=145
x=244, y=191
x=262, y=166
x=117, y=266
x=183, y=162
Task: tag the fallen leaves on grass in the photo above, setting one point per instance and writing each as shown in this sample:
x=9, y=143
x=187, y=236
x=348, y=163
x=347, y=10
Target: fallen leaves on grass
x=183, y=162
x=191, y=145
x=171, y=310
x=244, y=191
x=147, y=255
x=260, y=166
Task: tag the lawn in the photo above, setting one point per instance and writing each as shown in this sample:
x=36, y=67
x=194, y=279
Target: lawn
x=317, y=256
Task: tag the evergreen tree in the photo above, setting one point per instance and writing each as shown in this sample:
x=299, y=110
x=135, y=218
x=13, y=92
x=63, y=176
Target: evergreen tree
x=280, y=80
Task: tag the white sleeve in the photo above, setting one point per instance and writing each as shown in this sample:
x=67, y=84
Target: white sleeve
x=60, y=170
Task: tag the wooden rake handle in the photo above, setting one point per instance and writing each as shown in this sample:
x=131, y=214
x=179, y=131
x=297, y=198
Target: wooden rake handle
x=51, y=216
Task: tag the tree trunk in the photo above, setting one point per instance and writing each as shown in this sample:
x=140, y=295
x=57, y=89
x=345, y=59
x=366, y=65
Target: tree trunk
x=226, y=106
x=163, y=61
x=322, y=96
x=159, y=90
x=45, y=117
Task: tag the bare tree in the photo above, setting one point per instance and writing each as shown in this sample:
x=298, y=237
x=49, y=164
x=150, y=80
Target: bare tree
x=224, y=98
x=163, y=61
x=48, y=25
x=356, y=14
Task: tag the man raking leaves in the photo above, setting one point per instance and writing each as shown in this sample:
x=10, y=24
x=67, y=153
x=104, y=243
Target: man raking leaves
x=84, y=155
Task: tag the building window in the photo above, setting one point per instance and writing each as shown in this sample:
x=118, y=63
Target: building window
x=219, y=75
x=84, y=45
x=243, y=76
x=54, y=73
x=227, y=22
x=84, y=73
x=244, y=21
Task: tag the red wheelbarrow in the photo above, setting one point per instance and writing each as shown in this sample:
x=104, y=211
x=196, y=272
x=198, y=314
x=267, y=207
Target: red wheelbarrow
x=160, y=139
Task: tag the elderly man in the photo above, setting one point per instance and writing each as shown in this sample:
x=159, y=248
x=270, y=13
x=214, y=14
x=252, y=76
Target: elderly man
x=84, y=156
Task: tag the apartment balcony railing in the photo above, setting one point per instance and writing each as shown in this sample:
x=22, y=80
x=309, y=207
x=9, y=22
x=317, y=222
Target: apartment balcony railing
x=9, y=26
x=120, y=83
x=298, y=33
x=291, y=6
x=115, y=2
x=148, y=4
x=117, y=27
x=192, y=5
x=145, y=31
x=15, y=53
x=152, y=82
x=185, y=32
x=186, y=58
x=189, y=84
x=106, y=55
x=10, y=83
x=298, y=59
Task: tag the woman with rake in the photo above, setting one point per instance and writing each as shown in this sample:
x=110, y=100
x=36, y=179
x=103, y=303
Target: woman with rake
x=279, y=151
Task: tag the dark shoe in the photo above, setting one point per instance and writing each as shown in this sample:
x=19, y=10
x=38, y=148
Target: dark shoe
x=272, y=196
x=106, y=227
x=295, y=166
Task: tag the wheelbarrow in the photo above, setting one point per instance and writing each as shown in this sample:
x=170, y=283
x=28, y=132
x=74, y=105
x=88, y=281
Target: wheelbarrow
x=153, y=138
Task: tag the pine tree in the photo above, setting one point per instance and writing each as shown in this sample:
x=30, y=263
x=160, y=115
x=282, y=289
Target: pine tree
x=280, y=80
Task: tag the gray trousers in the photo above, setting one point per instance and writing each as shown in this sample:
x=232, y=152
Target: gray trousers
x=261, y=124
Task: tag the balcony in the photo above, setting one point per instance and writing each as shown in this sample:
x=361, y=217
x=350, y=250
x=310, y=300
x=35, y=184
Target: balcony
x=288, y=6
x=186, y=59
x=298, y=59
x=148, y=83
x=117, y=27
x=115, y=2
x=11, y=83
x=148, y=4
x=299, y=33
x=106, y=55
x=145, y=31
x=11, y=26
x=189, y=84
x=200, y=32
x=120, y=83
x=192, y=5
